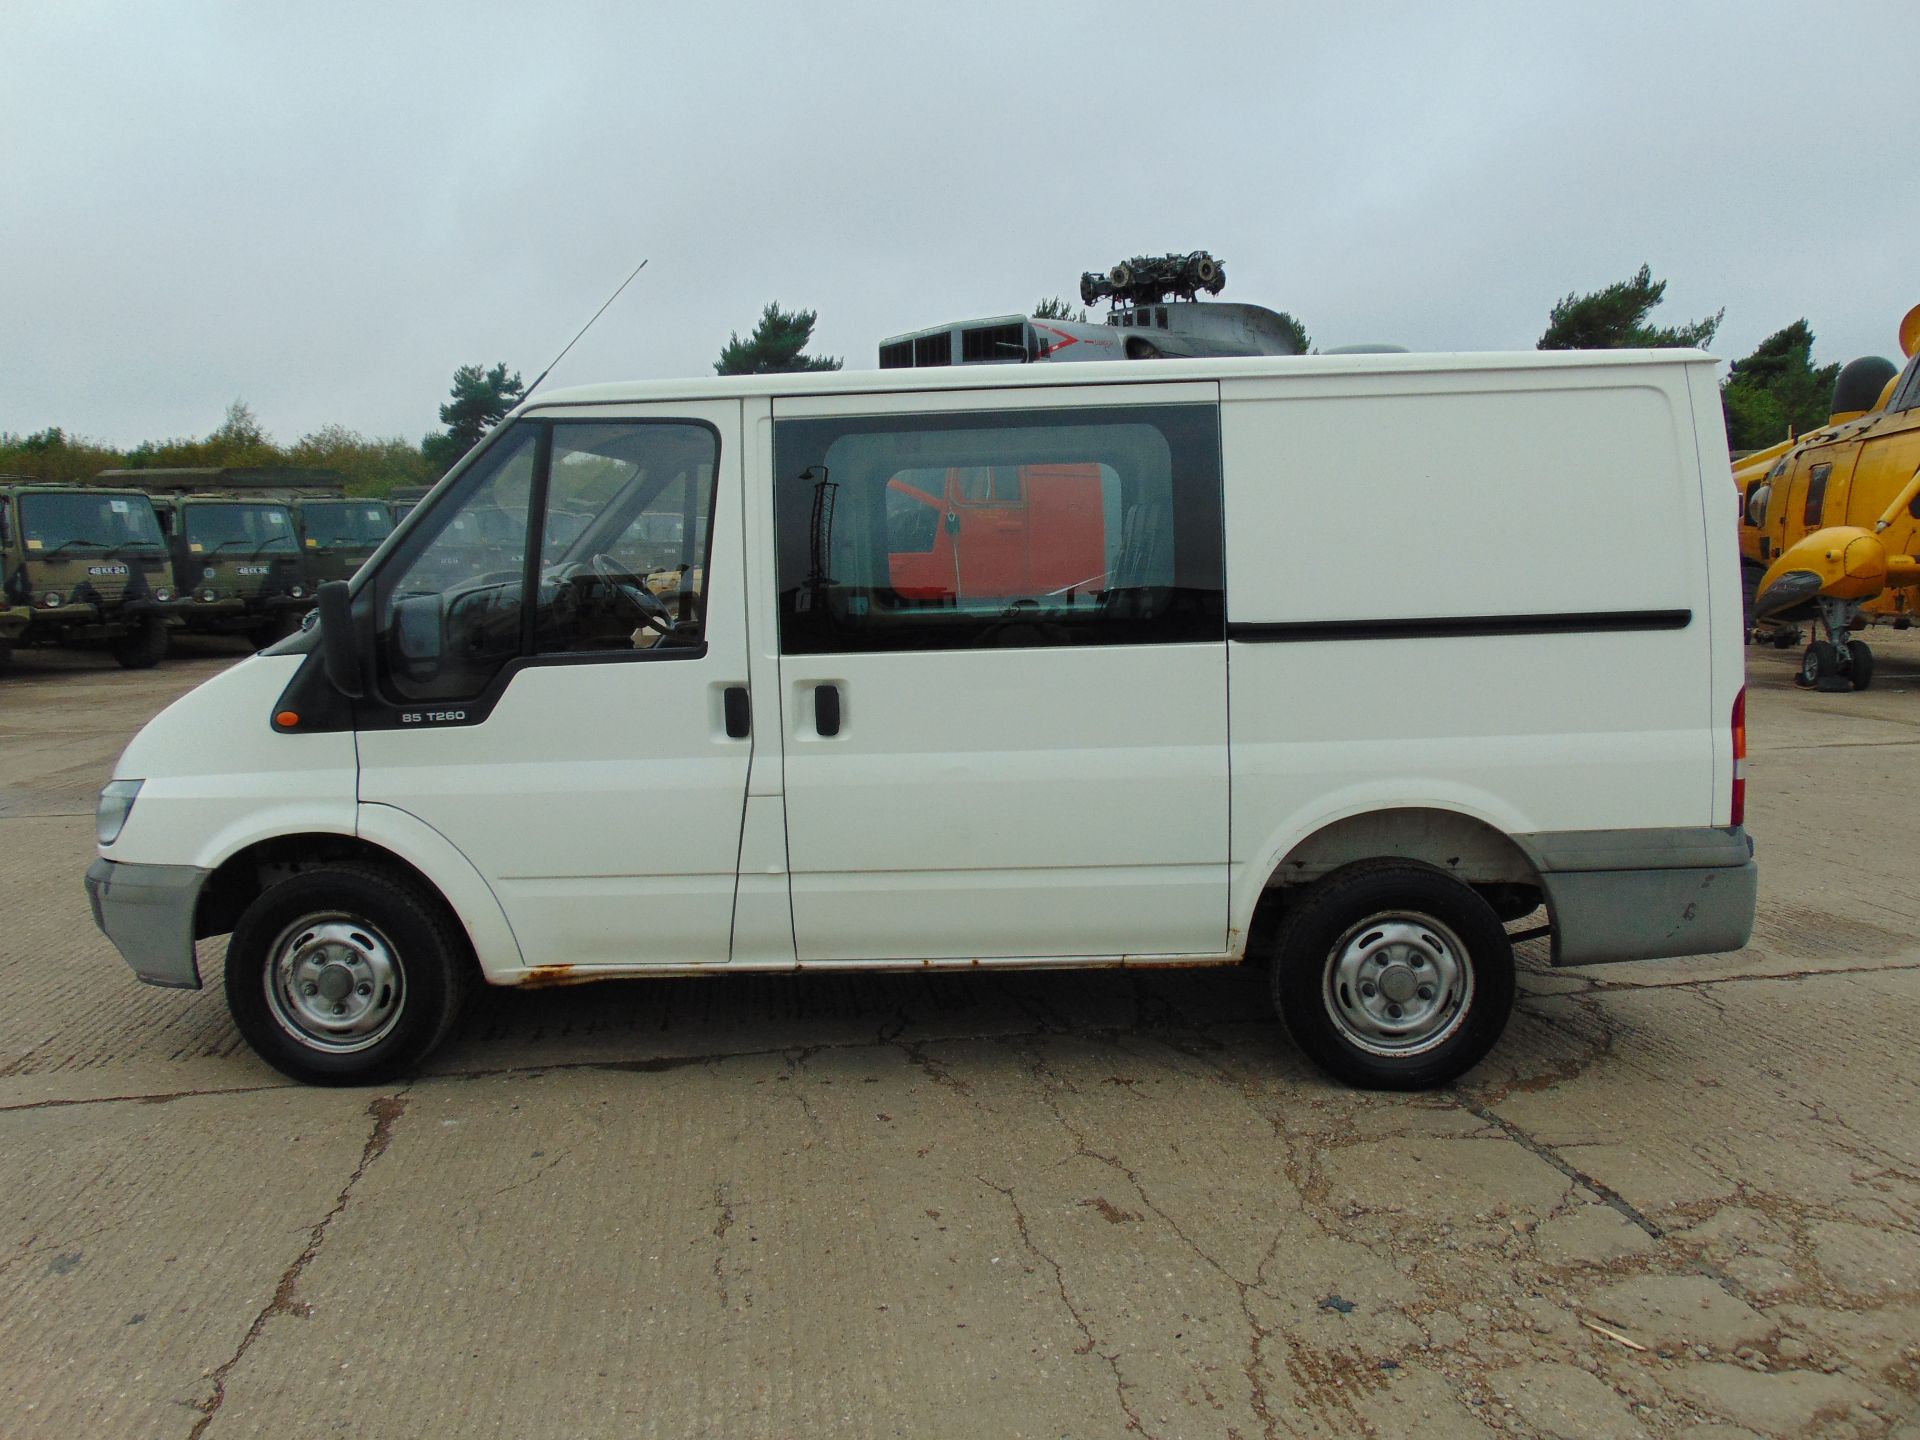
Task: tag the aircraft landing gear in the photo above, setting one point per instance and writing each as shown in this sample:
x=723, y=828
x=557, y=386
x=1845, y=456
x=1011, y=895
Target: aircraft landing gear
x=1839, y=663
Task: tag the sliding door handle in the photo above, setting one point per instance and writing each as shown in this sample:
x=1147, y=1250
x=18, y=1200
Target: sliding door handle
x=738, y=710
x=826, y=709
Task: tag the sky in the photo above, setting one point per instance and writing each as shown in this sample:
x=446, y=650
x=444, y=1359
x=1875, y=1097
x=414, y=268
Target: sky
x=324, y=209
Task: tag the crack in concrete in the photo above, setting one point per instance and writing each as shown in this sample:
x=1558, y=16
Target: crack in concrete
x=385, y=1111
x=157, y=1097
x=794, y=1059
x=1089, y=1345
x=1601, y=987
x=722, y=1202
x=1259, y=1334
x=1599, y=1189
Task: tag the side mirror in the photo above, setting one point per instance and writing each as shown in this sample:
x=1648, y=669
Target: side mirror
x=338, y=653
x=419, y=630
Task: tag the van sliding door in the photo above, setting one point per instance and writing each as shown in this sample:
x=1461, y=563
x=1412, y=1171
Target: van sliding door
x=1003, y=673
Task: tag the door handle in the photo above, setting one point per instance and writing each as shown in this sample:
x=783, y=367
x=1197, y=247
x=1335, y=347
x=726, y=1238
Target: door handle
x=738, y=710
x=826, y=709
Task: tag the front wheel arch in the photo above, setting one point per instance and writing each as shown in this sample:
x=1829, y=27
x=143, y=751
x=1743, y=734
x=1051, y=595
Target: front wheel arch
x=239, y=880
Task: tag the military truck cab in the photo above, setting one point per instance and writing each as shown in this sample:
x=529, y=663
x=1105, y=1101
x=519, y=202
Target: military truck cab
x=236, y=557
x=84, y=567
x=338, y=533
x=403, y=499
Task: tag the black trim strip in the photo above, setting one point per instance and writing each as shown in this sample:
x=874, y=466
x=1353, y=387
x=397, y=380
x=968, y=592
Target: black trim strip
x=1451, y=626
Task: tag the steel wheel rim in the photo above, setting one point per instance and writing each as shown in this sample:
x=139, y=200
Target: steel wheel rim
x=334, y=983
x=1399, y=983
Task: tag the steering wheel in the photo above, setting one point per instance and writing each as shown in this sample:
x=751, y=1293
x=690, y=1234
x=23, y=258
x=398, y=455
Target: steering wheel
x=683, y=600
x=630, y=587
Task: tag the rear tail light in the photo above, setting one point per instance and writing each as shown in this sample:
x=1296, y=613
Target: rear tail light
x=1740, y=758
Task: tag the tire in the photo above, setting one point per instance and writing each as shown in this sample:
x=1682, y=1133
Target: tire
x=144, y=646
x=1860, y=663
x=1389, y=924
x=6, y=657
x=1817, y=662
x=389, y=955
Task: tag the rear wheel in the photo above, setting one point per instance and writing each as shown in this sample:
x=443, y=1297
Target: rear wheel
x=345, y=975
x=1393, y=976
x=144, y=646
x=1860, y=663
x=6, y=657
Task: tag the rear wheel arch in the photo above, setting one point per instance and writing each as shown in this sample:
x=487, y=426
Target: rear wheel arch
x=1452, y=842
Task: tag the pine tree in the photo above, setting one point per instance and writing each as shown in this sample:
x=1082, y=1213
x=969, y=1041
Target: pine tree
x=1615, y=318
x=775, y=347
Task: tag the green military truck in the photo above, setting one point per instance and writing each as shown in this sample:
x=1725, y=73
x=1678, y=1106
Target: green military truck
x=402, y=499
x=237, y=562
x=83, y=566
x=338, y=532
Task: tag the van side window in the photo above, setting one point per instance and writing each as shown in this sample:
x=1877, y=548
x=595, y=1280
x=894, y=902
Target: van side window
x=623, y=553
x=1007, y=528
x=1816, y=494
x=619, y=511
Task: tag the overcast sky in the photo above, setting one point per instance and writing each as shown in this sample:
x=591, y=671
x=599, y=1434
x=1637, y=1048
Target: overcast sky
x=324, y=209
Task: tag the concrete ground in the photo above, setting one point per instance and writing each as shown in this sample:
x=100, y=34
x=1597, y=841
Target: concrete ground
x=1681, y=1198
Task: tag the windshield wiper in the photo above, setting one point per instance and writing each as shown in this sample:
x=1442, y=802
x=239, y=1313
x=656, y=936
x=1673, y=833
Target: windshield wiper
x=78, y=540
x=241, y=540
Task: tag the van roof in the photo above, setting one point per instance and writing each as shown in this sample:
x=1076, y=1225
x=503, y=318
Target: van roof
x=1007, y=377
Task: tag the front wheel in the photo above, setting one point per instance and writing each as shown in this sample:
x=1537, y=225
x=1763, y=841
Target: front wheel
x=345, y=975
x=1818, y=661
x=142, y=647
x=1393, y=976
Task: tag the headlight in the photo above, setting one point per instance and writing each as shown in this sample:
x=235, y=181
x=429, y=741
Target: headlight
x=298, y=592
x=163, y=594
x=52, y=600
x=116, y=804
x=209, y=594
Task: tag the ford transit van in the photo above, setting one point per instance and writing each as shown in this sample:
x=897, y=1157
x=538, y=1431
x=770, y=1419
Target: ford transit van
x=1309, y=662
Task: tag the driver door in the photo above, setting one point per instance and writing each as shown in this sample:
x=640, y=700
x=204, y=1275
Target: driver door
x=576, y=745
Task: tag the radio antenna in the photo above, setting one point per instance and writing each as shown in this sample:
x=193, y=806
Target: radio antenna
x=583, y=330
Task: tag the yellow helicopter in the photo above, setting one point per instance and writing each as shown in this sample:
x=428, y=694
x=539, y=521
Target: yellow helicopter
x=1830, y=522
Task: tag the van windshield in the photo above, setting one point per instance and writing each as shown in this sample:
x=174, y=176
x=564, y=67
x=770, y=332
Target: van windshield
x=345, y=522
x=54, y=521
x=215, y=526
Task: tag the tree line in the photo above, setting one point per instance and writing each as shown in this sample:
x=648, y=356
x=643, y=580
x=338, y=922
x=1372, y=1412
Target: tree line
x=1772, y=393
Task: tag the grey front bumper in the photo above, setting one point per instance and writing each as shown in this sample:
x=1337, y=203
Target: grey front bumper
x=1646, y=894
x=147, y=912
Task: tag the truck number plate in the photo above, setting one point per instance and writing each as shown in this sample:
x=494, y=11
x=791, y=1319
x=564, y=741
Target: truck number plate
x=106, y=569
x=251, y=569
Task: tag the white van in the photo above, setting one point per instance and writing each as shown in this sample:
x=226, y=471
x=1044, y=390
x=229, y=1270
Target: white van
x=1315, y=661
